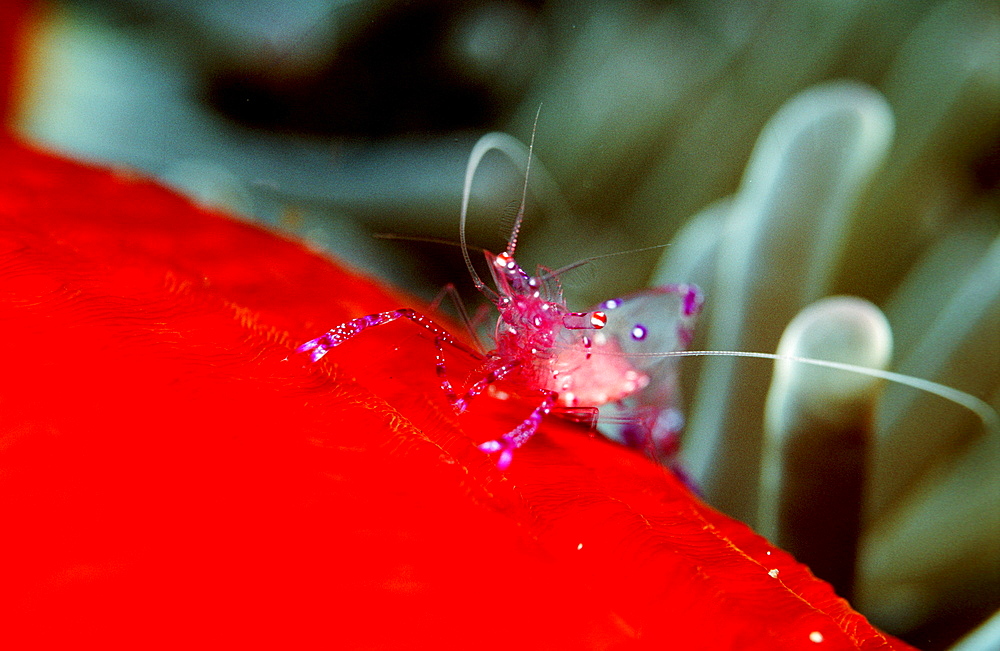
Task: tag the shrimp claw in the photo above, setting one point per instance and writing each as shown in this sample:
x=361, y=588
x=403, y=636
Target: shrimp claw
x=518, y=436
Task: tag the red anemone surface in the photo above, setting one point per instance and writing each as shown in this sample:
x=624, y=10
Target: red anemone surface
x=172, y=475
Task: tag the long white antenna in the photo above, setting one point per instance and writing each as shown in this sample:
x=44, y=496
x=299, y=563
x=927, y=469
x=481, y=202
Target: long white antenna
x=515, y=150
x=481, y=148
x=979, y=407
x=512, y=242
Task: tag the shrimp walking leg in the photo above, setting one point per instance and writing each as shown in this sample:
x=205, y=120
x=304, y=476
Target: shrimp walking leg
x=518, y=436
x=461, y=403
x=334, y=337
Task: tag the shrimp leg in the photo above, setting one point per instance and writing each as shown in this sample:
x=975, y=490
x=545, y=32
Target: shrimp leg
x=461, y=403
x=334, y=337
x=518, y=436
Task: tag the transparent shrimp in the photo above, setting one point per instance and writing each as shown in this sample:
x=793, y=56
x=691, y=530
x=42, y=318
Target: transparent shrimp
x=541, y=346
x=571, y=360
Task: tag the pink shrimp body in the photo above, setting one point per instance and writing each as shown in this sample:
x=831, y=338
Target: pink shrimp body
x=556, y=352
x=541, y=347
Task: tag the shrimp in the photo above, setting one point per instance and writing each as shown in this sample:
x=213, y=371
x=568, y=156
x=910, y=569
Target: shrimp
x=576, y=362
x=541, y=346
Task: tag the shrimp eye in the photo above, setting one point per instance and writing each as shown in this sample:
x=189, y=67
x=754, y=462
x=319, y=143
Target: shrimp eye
x=598, y=320
x=639, y=332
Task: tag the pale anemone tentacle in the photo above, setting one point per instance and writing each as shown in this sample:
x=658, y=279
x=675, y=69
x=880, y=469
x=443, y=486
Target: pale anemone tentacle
x=791, y=212
x=819, y=430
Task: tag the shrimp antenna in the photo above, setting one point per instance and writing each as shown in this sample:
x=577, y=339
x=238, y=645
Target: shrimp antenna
x=986, y=413
x=580, y=263
x=425, y=238
x=492, y=140
x=512, y=242
x=516, y=151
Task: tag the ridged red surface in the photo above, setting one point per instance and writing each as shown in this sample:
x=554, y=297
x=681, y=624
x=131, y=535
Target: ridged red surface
x=171, y=476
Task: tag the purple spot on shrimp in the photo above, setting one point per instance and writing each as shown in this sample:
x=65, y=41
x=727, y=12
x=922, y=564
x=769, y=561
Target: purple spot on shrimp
x=610, y=304
x=691, y=301
x=504, y=446
x=639, y=332
x=306, y=347
x=505, y=458
x=490, y=446
x=315, y=347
